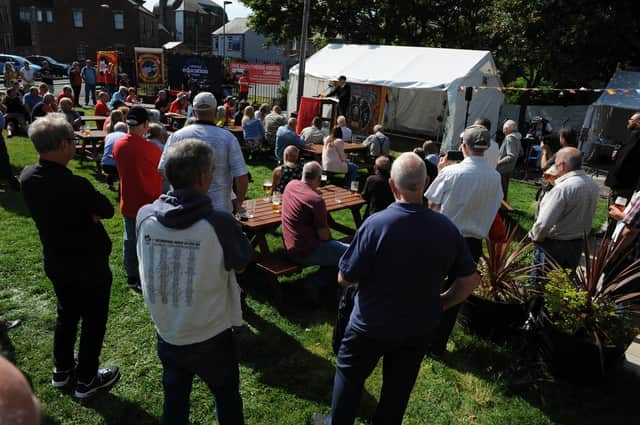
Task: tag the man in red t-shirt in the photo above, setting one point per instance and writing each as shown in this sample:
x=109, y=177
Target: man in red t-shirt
x=102, y=109
x=243, y=82
x=140, y=184
x=305, y=227
x=67, y=91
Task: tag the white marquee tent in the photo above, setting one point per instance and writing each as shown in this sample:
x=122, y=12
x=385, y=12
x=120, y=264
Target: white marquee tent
x=607, y=117
x=423, y=84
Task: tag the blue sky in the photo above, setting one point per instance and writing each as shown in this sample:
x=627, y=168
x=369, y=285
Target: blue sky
x=234, y=10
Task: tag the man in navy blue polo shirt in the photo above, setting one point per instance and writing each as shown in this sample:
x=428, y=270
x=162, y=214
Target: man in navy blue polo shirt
x=400, y=258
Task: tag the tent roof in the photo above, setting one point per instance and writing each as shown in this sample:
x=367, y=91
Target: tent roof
x=397, y=66
x=622, y=80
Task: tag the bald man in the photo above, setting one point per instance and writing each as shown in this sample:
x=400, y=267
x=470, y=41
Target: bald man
x=566, y=212
x=18, y=405
x=286, y=136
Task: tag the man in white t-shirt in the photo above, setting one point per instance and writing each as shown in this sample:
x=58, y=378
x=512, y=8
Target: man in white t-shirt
x=26, y=73
x=230, y=164
x=188, y=256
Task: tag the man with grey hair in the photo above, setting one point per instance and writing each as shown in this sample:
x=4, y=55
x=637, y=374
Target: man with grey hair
x=305, y=224
x=347, y=134
x=469, y=194
x=67, y=211
x=157, y=134
x=397, y=309
x=193, y=295
x=377, y=191
x=230, y=166
x=108, y=163
x=286, y=136
x=272, y=122
x=510, y=151
x=566, y=212
x=378, y=143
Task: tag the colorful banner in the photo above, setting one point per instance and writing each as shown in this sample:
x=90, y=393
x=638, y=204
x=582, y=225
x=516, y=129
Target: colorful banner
x=107, y=66
x=258, y=73
x=150, y=70
x=366, y=107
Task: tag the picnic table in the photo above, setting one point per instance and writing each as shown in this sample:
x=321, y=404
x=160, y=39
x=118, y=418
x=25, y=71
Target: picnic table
x=144, y=105
x=265, y=219
x=315, y=150
x=236, y=130
x=90, y=145
x=98, y=119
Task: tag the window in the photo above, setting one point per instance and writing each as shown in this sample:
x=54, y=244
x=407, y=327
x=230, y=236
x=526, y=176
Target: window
x=39, y=15
x=78, y=21
x=234, y=43
x=81, y=51
x=24, y=14
x=49, y=16
x=118, y=20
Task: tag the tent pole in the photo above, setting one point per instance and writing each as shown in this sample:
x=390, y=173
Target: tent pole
x=303, y=50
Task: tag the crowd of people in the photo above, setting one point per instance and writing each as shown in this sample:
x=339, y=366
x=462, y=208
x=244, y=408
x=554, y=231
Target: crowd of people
x=183, y=246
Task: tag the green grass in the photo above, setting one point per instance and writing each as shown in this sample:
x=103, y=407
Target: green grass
x=287, y=365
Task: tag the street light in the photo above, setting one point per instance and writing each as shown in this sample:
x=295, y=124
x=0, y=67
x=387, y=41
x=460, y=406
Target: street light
x=224, y=29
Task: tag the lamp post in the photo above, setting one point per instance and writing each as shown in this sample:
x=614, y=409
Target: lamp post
x=303, y=50
x=224, y=29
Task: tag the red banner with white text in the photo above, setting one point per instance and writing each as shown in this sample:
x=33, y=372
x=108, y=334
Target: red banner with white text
x=258, y=73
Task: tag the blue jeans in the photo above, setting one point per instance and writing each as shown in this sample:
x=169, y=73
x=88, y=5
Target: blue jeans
x=327, y=256
x=89, y=89
x=352, y=174
x=357, y=357
x=215, y=361
x=130, y=254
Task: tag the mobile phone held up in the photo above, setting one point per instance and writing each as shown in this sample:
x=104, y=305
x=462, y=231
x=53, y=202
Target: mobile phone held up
x=455, y=156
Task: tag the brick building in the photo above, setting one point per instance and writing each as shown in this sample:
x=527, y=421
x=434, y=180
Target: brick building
x=76, y=29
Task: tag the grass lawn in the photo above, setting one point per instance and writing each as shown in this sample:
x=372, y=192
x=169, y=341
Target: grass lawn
x=287, y=365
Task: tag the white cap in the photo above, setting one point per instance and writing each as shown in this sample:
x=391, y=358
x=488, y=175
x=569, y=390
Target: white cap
x=204, y=101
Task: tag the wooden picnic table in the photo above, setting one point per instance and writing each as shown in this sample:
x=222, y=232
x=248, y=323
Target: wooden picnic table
x=315, y=150
x=265, y=219
x=98, y=119
x=144, y=105
x=237, y=131
x=91, y=140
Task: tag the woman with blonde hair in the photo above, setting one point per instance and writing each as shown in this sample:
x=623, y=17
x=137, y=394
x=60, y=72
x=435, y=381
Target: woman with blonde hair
x=335, y=160
x=115, y=117
x=252, y=129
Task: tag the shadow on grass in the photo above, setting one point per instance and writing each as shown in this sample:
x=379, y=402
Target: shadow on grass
x=284, y=363
x=117, y=411
x=516, y=368
x=14, y=202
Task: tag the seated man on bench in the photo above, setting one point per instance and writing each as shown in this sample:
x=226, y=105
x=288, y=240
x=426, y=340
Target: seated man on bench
x=305, y=227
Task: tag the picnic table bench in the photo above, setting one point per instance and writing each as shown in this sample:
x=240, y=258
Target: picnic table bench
x=263, y=219
x=90, y=145
x=97, y=119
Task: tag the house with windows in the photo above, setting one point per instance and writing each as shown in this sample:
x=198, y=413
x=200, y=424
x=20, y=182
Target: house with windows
x=236, y=40
x=188, y=21
x=68, y=30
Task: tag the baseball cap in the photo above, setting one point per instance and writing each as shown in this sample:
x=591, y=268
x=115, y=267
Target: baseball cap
x=476, y=137
x=137, y=115
x=204, y=101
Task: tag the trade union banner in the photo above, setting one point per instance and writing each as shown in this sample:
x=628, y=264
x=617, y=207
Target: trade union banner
x=150, y=72
x=258, y=73
x=107, y=64
x=366, y=107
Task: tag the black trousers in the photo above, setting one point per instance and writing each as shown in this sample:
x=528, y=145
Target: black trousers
x=448, y=319
x=6, y=172
x=566, y=253
x=81, y=297
x=76, y=94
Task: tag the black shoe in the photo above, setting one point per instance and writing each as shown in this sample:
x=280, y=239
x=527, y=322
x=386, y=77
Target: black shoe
x=5, y=325
x=61, y=378
x=104, y=380
x=134, y=285
x=14, y=184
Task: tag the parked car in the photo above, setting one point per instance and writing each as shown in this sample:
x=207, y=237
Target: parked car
x=18, y=62
x=58, y=68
